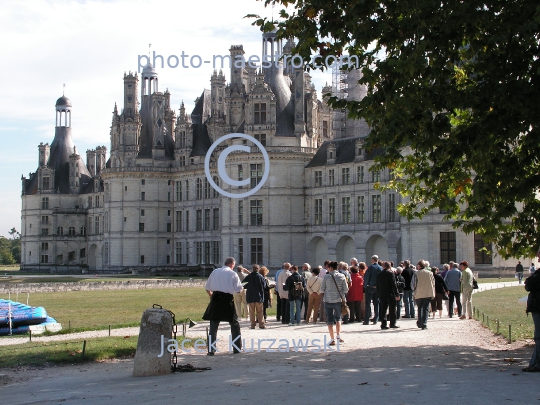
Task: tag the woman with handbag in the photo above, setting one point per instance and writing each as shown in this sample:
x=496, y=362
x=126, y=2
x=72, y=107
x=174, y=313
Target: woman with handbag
x=334, y=287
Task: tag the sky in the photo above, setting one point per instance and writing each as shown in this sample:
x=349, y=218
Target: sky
x=88, y=45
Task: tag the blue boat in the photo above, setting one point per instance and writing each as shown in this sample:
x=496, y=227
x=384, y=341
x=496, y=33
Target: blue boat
x=21, y=314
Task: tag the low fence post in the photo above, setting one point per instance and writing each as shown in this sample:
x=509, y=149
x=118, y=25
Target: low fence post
x=509, y=333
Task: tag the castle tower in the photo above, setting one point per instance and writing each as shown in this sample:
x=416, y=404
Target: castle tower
x=44, y=153
x=91, y=161
x=74, y=172
x=101, y=156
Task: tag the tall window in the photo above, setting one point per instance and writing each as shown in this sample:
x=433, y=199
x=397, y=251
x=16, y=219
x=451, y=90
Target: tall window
x=325, y=129
x=90, y=202
x=332, y=211
x=256, y=250
x=169, y=227
x=360, y=174
x=44, y=258
x=448, y=246
x=96, y=199
x=346, y=210
x=44, y=231
x=206, y=188
x=178, y=191
x=178, y=221
x=44, y=219
x=83, y=230
x=141, y=226
x=46, y=183
x=256, y=174
x=45, y=203
x=44, y=245
x=207, y=219
x=318, y=211
x=240, y=173
x=207, y=252
x=216, y=252
x=376, y=208
x=241, y=251
x=392, y=213
x=60, y=230
x=178, y=253
x=481, y=256
x=216, y=193
x=259, y=111
x=143, y=196
x=318, y=178
x=256, y=212
x=376, y=176
x=345, y=176
x=240, y=213
x=96, y=226
x=215, y=221
x=187, y=224
x=105, y=253
x=198, y=189
x=183, y=143
x=261, y=138
x=361, y=209
x=198, y=252
x=187, y=190
x=331, y=177
x=187, y=252
x=198, y=220
x=71, y=231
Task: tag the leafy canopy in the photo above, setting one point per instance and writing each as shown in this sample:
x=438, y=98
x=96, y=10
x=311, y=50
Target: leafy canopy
x=453, y=98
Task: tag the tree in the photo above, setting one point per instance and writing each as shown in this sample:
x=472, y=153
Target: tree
x=453, y=96
x=14, y=233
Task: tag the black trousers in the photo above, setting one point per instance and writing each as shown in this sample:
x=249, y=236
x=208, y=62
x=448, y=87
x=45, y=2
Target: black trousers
x=305, y=301
x=278, y=308
x=235, y=332
x=285, y=311
x=451, y=296
x=387, y=304
x=356, y=311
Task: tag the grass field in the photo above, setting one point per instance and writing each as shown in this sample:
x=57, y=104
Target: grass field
x=496, y=280
x=88, y=310
x=502, y=304
x=24, y=278
x=70, y=352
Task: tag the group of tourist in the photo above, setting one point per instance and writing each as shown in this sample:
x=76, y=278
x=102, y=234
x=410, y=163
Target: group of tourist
x=324, y=290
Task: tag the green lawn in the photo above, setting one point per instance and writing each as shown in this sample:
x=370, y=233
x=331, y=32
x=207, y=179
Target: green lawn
x=496, y=280
x=84, y=310
x=502, y=304
x=68, y=351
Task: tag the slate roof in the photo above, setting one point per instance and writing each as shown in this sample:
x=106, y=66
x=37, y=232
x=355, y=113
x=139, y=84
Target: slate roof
x=345, y=152
x=201, y=139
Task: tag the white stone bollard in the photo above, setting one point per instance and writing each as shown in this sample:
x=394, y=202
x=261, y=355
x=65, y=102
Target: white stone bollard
x=155, y=323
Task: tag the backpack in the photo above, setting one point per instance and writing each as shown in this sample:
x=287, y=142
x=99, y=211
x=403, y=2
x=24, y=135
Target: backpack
x=532, y=283
x=297, y=290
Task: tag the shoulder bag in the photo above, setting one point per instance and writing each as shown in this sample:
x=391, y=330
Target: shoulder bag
x=344, y=306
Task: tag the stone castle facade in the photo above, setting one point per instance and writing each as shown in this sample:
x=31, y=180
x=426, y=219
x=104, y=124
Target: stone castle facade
x=150, y=206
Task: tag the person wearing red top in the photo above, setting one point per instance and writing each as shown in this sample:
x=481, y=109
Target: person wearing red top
x=356, y=296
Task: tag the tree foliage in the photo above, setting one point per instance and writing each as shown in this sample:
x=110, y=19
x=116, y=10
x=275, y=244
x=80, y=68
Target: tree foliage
x=453, y=98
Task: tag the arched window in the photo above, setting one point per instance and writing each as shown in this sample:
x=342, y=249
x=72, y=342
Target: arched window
x=83, y=230
x=60, y=230
x=71, y=231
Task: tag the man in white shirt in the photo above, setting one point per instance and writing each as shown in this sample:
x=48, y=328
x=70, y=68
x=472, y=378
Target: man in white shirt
x=220, y=287
x=284, y=295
